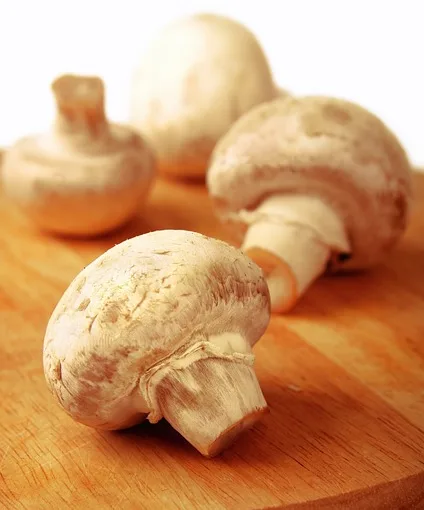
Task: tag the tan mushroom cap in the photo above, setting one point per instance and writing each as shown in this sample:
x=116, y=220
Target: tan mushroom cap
x=324, y=147
x=155, y=327
x=86, y=175
x=198, y=76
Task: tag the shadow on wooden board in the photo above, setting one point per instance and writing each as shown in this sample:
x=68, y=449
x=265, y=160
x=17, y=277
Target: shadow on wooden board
x=404, y=494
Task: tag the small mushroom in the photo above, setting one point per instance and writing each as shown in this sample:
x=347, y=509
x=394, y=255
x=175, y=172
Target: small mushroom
x=199, y=75
x=162, y=325
x=311, y=184
x=86, y=175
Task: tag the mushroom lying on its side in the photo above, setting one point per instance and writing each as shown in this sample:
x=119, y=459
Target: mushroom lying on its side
x=86, y=175
x=313, y=183
x=200, y=74
x=159, y=326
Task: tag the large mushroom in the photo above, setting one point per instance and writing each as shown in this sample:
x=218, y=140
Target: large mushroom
x=197, y=77
x=85, y=176
x=162, y=325
x=311, y=184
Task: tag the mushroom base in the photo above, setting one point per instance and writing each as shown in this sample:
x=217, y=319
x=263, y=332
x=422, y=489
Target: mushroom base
x=211, y=402
x=230, y=435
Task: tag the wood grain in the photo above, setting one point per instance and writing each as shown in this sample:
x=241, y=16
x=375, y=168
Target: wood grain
x=400, y=494
x=343, y=375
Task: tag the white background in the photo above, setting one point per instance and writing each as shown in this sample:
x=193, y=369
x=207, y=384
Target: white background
x=368, y=51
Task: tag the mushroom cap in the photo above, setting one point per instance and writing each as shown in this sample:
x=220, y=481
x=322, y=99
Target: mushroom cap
x=319, y=146
x=135, y=306
x=79, y=186
x=198, y=76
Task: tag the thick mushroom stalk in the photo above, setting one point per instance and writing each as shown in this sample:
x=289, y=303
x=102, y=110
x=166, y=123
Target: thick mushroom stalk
x=80, y=102
x=312, y=184
x=162, y=326
x=209, y=397
x=292, y=237
x=86, y=176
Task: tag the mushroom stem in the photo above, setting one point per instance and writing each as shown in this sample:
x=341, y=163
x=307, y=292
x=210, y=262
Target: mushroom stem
x=293, y=258
x=292, y=238
x=80, y=102
x=211, y=402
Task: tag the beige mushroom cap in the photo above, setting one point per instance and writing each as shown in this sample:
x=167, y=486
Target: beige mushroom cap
x=324, y=147
x=153, y=328
x=198, y=76
x=86, y=175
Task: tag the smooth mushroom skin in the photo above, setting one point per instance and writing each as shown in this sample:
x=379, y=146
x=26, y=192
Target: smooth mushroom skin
x=198, y=76
x=162, y=325
x=86, y=176
x=311, y=184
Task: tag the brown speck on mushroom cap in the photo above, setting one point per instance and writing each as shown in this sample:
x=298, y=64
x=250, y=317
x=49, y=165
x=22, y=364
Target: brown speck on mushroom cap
x=153, y=314
x=324, y=147
x=199, y=75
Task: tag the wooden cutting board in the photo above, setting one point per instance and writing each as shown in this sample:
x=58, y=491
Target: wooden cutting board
x=343, y=375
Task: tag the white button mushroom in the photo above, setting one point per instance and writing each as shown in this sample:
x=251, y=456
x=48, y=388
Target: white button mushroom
x=199, y=75
x=313, y=183
x=86, y=175
x=159, y=326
